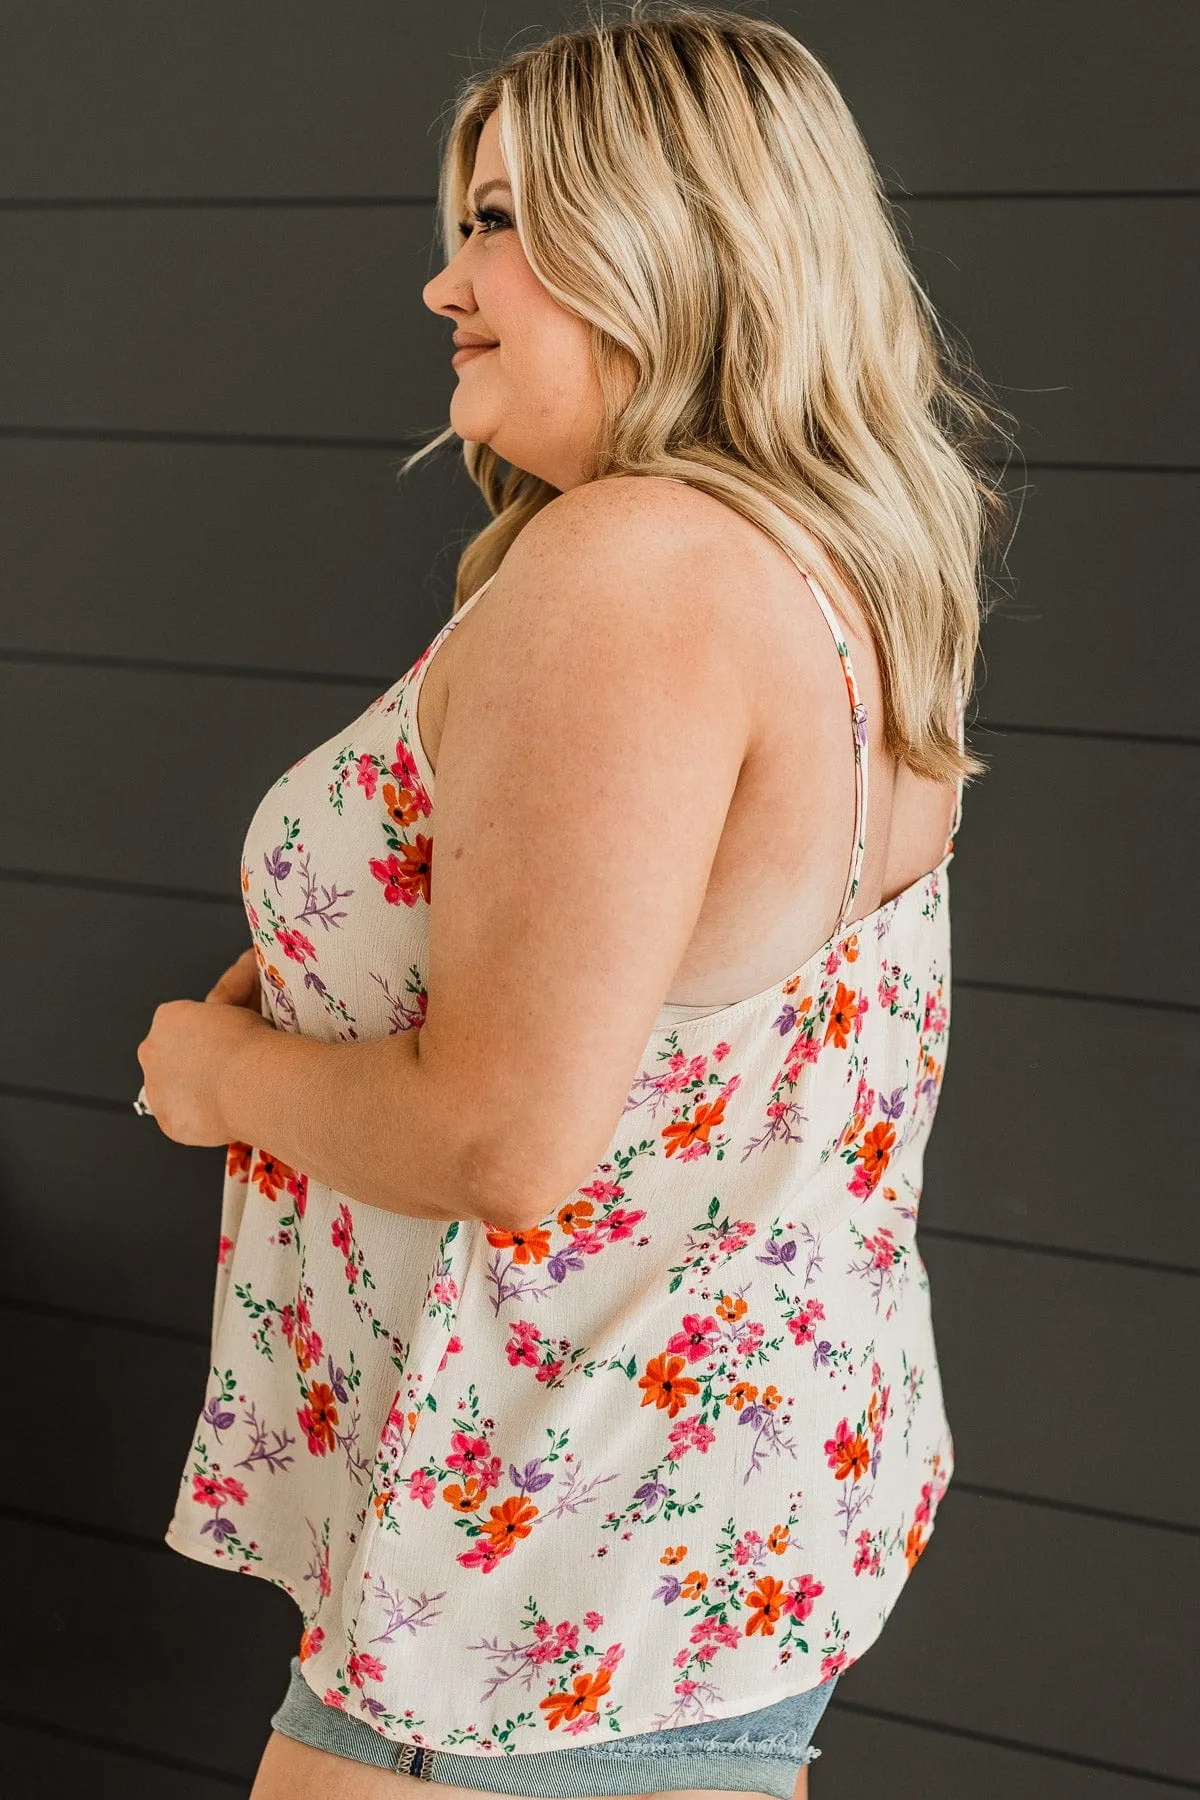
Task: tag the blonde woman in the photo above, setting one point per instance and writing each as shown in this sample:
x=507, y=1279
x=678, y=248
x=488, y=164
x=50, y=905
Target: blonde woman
x=573, y=1366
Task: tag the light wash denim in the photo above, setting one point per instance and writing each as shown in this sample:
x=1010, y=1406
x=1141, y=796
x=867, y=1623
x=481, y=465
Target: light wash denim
x=761, y=1752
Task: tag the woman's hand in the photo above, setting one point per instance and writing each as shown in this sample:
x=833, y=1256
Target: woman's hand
x=186, y=1054
x=240, y=985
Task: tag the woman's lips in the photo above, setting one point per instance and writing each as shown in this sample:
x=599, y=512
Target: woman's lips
x=469, y=350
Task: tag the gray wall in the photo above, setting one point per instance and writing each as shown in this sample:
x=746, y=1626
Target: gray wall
x=216, y=227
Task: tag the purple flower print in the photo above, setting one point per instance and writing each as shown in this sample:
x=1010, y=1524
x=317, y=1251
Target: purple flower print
x=780, y=1252
x=216, y=1417
x=534, y=1478
x=220, y=1528
x=669, y=1590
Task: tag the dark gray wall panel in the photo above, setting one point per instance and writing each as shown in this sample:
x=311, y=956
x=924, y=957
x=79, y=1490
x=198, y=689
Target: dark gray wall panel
x=1045, y=1628
x=250, y=556
x=1080, y=1145
x=1072, y=867
x=1097, y=624
x=292, y=322
x=144, y=950
x=102, y=1214
x=131, y=1448
x=294, y=99
x=911, y=1762
x=1079, y=315
x=186, y=1660
x=1013, y=1325
x=38, y=1765
x=310, y=321
x=270, y=556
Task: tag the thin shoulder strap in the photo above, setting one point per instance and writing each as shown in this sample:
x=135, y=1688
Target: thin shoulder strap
x=960, y=721
x=858, y=718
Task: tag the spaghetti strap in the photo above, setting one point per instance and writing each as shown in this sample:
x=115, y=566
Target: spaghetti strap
x=858, y=719
x=960, y=709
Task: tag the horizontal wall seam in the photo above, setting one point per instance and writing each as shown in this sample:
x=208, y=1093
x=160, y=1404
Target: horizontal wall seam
x=201, y=202
x=1033, y=1248
x=88, y=1740
x=837, y=1704
x=119, y=434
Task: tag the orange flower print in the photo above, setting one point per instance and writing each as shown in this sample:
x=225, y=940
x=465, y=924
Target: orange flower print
x=666, y=1385
x=526, y=1246
x=766, y=1606
x=575, y=1216
x=271, y=1176
x=842, y=1015
x=848, y=1453
x=319, y=1417
x=586, y=1690
x=740, y=1394
x=695, y=1584
x=405, y=880
x=401, y=804
x=674, y=1554
x=875, y=1151
x=237, y=1161
x=778, y=1539
x=686, y=1134
x=468, y=1498
x=771, y=1397
x=730, y=1307
x=511, y=1520
x=913, y=1545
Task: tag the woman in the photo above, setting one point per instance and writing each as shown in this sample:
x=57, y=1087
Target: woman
x=572, y=1363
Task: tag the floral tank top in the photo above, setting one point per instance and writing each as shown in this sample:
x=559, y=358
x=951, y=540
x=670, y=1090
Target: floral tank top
x=668, y=1457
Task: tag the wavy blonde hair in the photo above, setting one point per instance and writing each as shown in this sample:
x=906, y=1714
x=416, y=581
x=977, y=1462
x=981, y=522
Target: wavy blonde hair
x=691, y=183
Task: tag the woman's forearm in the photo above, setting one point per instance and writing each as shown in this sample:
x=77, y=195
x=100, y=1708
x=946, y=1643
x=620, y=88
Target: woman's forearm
x=353, y=1116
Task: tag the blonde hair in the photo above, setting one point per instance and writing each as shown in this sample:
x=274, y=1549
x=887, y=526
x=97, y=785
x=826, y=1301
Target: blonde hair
x=693, y=185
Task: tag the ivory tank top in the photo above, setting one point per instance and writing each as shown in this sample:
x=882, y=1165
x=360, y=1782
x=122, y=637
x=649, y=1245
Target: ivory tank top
x=668, y=1457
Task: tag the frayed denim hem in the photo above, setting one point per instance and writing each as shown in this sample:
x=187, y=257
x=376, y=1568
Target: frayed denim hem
x=685, y=1756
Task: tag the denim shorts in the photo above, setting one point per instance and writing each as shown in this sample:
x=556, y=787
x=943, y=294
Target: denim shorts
x=760, y=1752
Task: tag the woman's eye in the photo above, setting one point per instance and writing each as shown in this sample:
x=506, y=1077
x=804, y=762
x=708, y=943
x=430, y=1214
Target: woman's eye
x=488, y=216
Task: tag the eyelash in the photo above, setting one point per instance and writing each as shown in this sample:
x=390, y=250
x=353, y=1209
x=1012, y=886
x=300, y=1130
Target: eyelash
x=482, y=217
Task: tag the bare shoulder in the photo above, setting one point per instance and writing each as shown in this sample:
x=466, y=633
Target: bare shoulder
x=648, y=543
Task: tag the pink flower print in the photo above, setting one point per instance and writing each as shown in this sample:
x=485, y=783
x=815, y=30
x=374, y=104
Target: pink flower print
x=367, y=775
x=612, y=1656
x=482, y=1556
x=713, y=1633
x=689, y=1434
x=293, y=943
x=522, y=1346
x=445, y=1291
x=332, y=1697
x=751, y=1338
x=207, y=1492
x=471, y=1456
x=832, y=1664
x=586, y=1241
x=310, y=1642
x=619, y=1223
x=593, y=1620
x=341, y=1232
x=802, y=1324
x=297, y=1186
x=223, y=1249
x=362, y=1668
x=422, y=1487
x=234, y=1490
x=802, y=1591
x=453, y=1346
x=721, y=1050
x=405, y=770
x=697, y=1339
x=741, y=1553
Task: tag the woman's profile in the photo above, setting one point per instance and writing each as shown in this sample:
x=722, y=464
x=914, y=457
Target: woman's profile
x=573, y=1358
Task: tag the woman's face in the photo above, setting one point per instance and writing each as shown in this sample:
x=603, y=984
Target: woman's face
x=532, y=398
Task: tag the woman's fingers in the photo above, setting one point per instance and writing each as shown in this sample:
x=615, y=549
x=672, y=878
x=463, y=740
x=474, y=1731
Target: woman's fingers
x=239, y=985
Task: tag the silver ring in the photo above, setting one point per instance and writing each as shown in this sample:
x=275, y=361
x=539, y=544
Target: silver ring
x=141, y=1104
